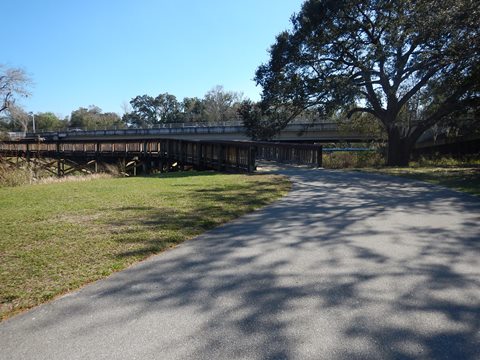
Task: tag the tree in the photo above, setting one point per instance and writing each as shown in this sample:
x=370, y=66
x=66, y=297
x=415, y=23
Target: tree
x=378, y=57
x=148, y=111
x=5, y=125
x=221, y=105
x=261, y=124
x=93, y=118
x=13, y=83
x=193, y=110
x=361, y=124
x=18, y=118
x=48, y=121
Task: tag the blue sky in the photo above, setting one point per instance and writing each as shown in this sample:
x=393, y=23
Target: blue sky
x=103, y=53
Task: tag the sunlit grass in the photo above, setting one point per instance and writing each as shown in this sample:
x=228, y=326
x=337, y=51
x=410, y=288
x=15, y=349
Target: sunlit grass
x=59, y=236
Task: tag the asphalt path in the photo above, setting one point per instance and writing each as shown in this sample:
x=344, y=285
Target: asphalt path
x=347, y=266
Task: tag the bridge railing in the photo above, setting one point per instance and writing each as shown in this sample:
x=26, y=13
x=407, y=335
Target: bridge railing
x=183, y=128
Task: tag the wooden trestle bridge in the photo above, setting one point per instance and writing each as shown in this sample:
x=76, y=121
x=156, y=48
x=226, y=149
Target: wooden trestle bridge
x=132, y=156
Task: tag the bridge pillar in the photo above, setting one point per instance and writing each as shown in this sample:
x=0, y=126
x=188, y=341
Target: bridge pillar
x=59, y=160
x=28, y=155
x=237, y=158
x=200, y=154
x=319, y=157
x=251, y=159
x=97, y=155
x=222, y=157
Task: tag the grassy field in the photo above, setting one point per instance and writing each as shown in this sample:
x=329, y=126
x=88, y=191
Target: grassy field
x=465, y=179
x=57, y=237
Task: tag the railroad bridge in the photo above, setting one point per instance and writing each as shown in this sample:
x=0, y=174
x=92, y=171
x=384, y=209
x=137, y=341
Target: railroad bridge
x=65, y=155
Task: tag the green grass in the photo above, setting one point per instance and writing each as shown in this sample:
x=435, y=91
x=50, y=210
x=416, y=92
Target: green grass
x=466, y=179
x=57, y=237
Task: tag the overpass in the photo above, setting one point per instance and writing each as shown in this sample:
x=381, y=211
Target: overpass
x=320, y=132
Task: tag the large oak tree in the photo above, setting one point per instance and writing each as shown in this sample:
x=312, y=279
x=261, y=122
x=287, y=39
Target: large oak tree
x=378, y=57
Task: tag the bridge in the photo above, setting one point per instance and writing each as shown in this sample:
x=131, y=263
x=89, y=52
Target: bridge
x=67, y=155
x=222, y=146
x=298, y=131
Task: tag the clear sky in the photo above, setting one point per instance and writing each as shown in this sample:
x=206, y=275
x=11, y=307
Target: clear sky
x=105, y=52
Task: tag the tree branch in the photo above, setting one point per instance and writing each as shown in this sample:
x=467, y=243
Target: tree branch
x=361, y=109
x=417, y=87
x=401, y=62
x=371, y=95
x=450, y=105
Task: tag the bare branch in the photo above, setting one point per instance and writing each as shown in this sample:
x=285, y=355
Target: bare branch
x=423, y=81
x=361, y=109
x=13, y=83
x=371, y=95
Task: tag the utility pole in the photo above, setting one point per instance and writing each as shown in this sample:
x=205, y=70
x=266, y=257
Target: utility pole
x=33, y=121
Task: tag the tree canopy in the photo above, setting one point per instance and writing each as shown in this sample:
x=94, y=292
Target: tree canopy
x=217, y=105
x=93, y=118
x=149, y=111
x=48, y=121
x=221, y=105
x=381, y=57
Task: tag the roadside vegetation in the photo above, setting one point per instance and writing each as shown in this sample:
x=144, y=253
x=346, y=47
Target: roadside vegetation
x=461, y=174
x=458, y=174
x=23, y=175
x=352, y=159
x=59, y=236
x=466, y=179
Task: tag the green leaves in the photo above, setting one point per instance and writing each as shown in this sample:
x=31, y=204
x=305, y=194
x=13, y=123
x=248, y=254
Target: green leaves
x=149, y=111
x=380, y=55
x=261, y=124
x=93, y=118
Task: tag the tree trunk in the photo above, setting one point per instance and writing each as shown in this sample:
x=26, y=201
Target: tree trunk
x=399, y=148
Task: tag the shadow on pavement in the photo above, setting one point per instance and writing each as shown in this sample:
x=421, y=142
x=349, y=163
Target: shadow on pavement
x=347, y=266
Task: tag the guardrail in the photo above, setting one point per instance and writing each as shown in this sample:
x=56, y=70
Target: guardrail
x=198, y=128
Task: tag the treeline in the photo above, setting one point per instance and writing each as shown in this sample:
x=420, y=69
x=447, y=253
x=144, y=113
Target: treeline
x=143, y=111
x=16, y=119
x=216, y=106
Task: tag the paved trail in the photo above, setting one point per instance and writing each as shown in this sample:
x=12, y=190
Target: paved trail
x=347, y=266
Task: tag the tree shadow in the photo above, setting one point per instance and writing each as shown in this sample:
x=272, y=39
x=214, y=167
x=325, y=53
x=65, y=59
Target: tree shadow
x=348, y=265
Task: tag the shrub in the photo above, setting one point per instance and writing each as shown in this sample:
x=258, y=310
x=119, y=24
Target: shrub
x=351, y=159
x=447, y=161
x=15, y=176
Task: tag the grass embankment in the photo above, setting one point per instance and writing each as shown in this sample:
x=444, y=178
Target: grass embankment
x=57, y=237
x=466, y=179
x=460, y=174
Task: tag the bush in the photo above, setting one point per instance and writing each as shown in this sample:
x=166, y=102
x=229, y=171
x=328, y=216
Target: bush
x=446, y=161
x=15, y=177
x=351, y=159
